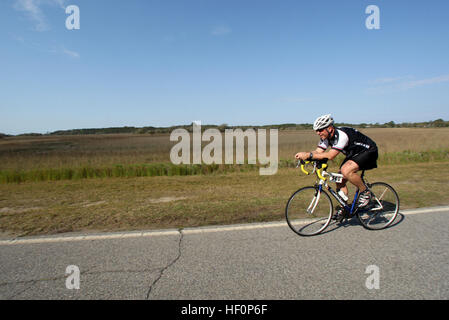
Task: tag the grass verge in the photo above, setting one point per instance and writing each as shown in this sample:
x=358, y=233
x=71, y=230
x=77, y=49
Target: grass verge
x=142, y=203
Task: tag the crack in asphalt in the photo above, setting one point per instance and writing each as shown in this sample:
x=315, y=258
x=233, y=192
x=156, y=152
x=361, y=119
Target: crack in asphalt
x=161, y=271
x=81, y=273
x=32, y=282
x=20, y=292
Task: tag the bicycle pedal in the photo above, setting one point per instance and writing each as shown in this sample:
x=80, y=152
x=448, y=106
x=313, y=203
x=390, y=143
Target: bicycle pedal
x=342, y=218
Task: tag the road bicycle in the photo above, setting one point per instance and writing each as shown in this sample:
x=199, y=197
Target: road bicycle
x=310, y=210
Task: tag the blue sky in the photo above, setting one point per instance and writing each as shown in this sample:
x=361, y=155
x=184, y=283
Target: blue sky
x=162, y=63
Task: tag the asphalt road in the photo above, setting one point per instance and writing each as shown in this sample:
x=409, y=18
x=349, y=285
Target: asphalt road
x=256, y=261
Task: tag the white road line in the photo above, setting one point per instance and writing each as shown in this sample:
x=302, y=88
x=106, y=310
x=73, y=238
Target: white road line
x=199, y=230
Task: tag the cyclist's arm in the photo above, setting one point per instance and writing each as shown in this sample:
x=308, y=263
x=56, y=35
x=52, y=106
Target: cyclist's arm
x=318, y=154
x=322, y=154
x=306, y=155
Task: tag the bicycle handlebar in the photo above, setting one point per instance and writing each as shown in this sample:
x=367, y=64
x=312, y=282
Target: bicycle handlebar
x=318, y=166
x=303, y=163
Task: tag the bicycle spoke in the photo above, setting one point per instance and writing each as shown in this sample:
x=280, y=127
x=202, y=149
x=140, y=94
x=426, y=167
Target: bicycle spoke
x=385, y=210
x=309, y=217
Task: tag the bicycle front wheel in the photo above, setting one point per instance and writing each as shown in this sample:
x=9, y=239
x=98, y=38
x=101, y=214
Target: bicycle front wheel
x=383, y=208
x=309, y=211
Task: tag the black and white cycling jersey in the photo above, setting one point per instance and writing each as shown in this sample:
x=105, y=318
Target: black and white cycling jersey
x=349, y=141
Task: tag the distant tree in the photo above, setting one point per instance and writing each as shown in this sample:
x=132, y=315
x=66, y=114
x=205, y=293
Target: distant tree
x=438, y=123
x=390, y=124
x=222, y=127
x=31, y=134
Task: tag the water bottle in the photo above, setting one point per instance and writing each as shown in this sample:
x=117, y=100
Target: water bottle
x=343, y=195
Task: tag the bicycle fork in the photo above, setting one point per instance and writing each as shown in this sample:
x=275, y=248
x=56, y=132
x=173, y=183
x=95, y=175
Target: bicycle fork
x=314, y=202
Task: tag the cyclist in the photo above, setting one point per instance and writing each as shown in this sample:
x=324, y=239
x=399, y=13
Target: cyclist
x=360, y=151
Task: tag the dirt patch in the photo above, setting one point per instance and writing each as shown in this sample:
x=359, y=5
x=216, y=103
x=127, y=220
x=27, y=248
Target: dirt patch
x=91, y=204
x=166, y=199
x=17, y=210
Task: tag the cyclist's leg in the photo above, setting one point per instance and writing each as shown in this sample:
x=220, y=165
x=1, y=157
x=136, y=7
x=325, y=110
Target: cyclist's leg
x=363, y=161
x=342, y=186
x=349, y=170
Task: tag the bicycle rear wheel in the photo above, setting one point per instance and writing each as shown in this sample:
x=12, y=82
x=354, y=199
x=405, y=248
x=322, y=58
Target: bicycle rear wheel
x=383, y=208
x=309, y=211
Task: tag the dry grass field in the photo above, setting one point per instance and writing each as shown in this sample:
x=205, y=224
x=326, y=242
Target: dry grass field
x=45, y=152
x=137, y=203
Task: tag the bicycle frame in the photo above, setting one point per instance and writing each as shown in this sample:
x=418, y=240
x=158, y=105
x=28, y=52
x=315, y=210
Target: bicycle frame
x=350, y=209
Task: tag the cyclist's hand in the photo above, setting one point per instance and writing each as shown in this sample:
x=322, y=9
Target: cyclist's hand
x=302, y=156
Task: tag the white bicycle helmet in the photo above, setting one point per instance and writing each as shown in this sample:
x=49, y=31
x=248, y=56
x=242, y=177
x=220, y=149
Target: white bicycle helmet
x=323, y=122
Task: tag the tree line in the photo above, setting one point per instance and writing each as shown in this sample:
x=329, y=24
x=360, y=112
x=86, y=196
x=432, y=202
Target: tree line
x=439, y=123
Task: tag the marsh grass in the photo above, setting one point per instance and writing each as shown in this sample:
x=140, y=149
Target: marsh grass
x=26, y=153
x=54, y=158
x=117, y=171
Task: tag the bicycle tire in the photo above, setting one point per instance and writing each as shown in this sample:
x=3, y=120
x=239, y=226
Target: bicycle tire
x=384, y=207
x=313, y=222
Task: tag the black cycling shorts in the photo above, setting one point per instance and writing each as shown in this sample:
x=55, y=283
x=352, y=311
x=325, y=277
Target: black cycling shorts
x=366, y=160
